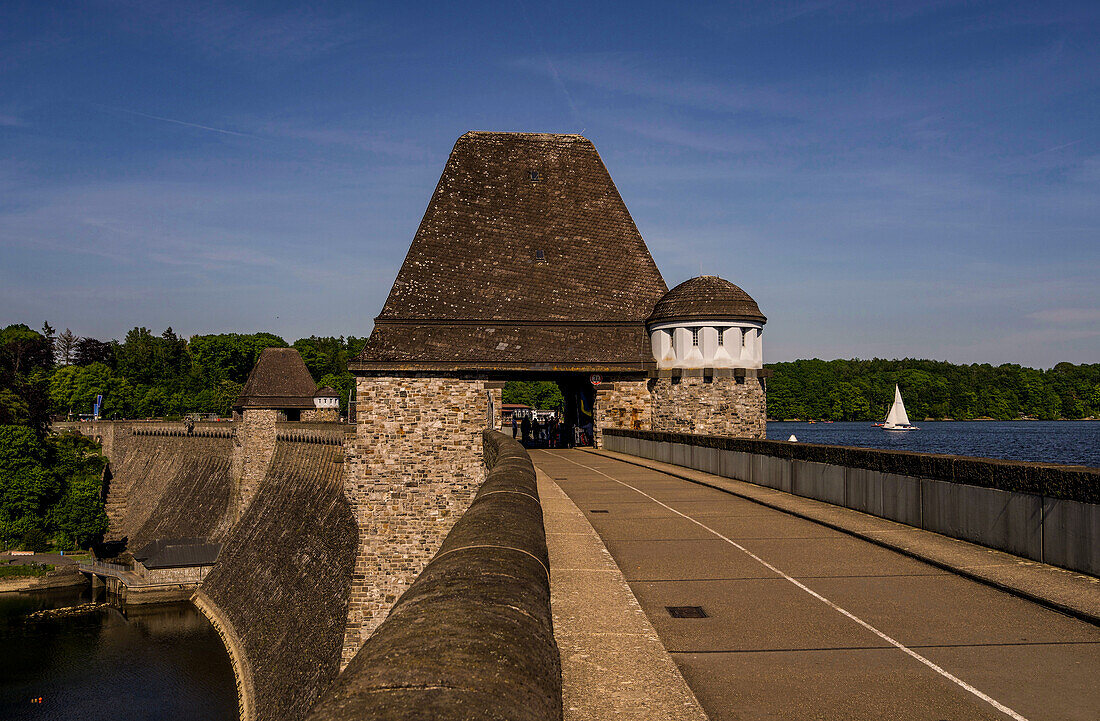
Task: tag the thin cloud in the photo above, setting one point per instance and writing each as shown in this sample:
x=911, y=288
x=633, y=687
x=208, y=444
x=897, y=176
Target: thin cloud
x=1067, y=316
x=175, y=121
x=219, y=28
x=551, y=67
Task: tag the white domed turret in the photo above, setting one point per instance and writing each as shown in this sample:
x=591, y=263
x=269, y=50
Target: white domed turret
x=326, y=399
x=706, y=322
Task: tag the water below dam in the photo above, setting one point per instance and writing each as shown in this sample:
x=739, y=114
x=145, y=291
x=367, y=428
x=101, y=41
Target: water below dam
x=162, y=662
x=1068, y=442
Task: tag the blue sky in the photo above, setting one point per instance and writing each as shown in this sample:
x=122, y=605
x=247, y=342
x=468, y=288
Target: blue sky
x=886, y=179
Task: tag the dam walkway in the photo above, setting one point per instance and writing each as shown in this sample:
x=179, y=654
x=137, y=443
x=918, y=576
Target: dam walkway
x=771, y=616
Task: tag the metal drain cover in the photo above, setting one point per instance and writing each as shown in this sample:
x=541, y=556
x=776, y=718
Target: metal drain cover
x=686, y=611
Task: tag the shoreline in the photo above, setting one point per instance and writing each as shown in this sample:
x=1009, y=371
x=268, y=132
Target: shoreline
x=58, y=578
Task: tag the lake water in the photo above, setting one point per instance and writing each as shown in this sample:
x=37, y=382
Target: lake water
x=1068, y=442
x=161, y=663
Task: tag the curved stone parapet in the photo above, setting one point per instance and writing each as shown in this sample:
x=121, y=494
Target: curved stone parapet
x=242, y=669
x=473, y=636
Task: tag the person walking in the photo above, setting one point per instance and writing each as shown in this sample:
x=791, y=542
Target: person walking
x=525, y=428
x=514, y=426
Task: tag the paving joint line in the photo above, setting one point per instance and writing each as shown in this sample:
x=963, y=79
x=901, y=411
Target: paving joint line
x=882, y=543
x=893, y=642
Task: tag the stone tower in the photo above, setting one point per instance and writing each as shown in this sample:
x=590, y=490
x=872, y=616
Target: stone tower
x=526, y=265
x=279, y=388
x=706, y=335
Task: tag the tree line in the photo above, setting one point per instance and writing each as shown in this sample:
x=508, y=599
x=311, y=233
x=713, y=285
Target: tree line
x=862, y=390
x=145, y=375
x=51, y=485
x=51, y=490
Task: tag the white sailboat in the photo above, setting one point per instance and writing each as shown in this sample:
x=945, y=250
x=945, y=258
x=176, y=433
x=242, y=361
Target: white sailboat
x=897, y=419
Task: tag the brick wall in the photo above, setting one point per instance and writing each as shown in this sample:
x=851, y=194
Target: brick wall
x=724, y=406
x=411, y=471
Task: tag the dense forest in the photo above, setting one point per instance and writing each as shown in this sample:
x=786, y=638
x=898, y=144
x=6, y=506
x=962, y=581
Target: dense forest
x=862, y=390
x=51, y=490
x=145, y=375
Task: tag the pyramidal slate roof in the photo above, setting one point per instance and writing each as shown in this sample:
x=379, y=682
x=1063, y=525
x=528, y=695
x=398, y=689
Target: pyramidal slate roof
x=526, y=257
x=278, y=380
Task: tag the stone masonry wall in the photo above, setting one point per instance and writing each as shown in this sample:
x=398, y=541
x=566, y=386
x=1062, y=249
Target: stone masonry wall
x=623, y=404
x=256, y=434
x=411, y=471
x=321, y=415
x=722, y=406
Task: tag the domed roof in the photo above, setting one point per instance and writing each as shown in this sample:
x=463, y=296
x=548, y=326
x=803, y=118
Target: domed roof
x=707, y=297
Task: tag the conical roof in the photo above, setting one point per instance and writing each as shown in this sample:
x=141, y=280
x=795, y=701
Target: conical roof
x=525, y=255
x=706, y=297
x=279, y=380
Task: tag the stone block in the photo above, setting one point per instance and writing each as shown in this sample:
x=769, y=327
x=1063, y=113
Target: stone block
x=863, y=490
x=901, y=498
x=706, y=460
x=771, y=472
x=1071, y=535
x=735, y=464
x=820, y=481
x=681, y=454
x=1007, y=521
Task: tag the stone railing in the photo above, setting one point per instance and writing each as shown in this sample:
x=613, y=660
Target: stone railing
x=1041, y=511
x=332, y=434
x=473, y=636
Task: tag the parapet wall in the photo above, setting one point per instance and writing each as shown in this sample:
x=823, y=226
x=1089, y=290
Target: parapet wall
x=472, y=638
x=279, y=593
x=1043, y=512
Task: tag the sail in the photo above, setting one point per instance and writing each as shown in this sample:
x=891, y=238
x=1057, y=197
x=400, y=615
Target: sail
x=897, y=415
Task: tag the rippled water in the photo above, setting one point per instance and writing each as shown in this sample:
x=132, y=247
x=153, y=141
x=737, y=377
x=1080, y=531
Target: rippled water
x=1069, y=442
x=161, y=662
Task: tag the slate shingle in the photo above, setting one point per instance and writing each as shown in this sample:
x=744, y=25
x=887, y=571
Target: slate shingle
x=279, y=380
x=553, y=261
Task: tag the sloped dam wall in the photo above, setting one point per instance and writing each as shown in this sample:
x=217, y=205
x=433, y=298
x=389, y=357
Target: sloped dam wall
x=165, y=483
x=472, y=635
x=279, y=593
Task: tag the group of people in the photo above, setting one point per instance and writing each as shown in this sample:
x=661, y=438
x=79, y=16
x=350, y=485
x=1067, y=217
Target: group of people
x=533, y=433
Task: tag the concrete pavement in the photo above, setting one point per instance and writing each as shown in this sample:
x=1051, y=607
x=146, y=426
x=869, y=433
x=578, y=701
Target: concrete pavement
x=613, y=663
x=805, y=622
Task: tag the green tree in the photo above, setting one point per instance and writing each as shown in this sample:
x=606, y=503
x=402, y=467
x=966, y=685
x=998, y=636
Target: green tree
x=78, y=517
x=543, y=395
x=26, y=487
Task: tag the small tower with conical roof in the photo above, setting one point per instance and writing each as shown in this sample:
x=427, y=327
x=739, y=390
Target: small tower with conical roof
x=279, y=388
x=706, y=338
